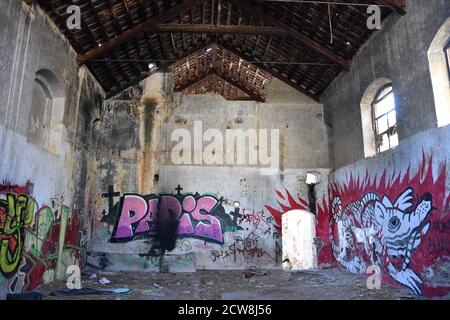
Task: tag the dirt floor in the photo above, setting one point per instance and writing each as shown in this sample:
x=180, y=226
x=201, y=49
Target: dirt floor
x=324, y=284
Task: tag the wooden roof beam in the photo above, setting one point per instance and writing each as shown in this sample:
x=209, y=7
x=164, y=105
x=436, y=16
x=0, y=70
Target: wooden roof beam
x=136, y=31
x=215, y=29
x=238, y=85
x=194, y=81
x=271, y=71
x=317, y=47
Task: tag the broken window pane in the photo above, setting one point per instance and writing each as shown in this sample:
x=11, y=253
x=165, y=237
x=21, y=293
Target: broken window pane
x=385, y=119
x=383, y=124
x=394, y=140
x=384, y=143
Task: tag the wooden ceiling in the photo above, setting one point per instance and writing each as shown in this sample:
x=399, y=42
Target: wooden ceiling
x=231, y=47
x=221, y=71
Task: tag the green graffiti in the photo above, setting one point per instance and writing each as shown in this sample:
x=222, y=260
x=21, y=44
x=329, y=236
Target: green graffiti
x=18, y=211
x=35, y=240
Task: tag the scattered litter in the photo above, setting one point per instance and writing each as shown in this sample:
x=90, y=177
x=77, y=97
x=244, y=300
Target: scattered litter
x=104, y=281
x=116, y=291
x=88, y=291
x=24, y=296
x=93, y=276
x=210, y=283
x=157, y=286
x=153, y=293
x=251, y=272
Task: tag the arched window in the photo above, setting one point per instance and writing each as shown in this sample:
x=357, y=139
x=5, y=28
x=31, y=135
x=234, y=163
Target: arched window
x=46, y=115
x=439, y=57
x=378, y=117
x=384, y=119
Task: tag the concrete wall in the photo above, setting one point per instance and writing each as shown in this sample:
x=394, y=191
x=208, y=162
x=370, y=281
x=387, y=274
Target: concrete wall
x=397, y=52
x=53, y=176
x=254, y=238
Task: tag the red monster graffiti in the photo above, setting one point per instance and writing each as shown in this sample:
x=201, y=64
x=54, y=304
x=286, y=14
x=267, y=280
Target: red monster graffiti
x=400, y=223
x=389, y=222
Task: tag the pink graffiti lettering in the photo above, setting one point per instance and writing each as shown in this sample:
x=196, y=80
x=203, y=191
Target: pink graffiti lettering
x=195, y=215
x=133, y=209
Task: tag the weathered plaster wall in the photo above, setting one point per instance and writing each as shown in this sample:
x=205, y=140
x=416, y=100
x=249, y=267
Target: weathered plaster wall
x=52, y=177
x=419, y=260
x=252, y=239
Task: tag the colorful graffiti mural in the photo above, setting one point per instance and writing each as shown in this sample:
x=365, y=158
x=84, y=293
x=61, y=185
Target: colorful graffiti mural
x=399, y=223
x=198, y=216
x=35, y=243
x=390, y=221
x=16, y=212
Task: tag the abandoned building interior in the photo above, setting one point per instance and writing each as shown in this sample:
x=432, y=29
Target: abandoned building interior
x=225, y=149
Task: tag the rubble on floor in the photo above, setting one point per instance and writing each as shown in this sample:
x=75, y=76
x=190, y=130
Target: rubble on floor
x=324, y=284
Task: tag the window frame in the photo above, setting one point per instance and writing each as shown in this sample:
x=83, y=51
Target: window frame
x=391, y=130
x=447, y=57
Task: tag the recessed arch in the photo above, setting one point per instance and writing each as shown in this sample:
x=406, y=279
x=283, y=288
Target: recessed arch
x=439, y=72
x=47, y=111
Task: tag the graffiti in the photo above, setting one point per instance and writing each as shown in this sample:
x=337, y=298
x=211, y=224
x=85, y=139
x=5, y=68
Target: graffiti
x=288, y=203
x=440, y=243
x=51, y=245
x=399, y=223
x=201, y=217
x=107, y=216
x=35, y=243
x=248, y=248
x=183, y=245
x=292, y=205
x=256, y=218
x=7, y=187
x=16, y=212
x=383, y=227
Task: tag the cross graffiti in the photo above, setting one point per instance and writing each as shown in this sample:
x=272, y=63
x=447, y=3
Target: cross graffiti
x=178, y=189
x=110, y=195
x=236, y=215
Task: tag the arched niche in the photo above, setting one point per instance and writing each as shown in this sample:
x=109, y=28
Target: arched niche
x=47, y=111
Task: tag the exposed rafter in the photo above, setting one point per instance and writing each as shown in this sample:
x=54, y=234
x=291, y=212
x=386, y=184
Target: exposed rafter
x=124, y=41
x=275, y=74
x=318, y=48
x=214, y=73
x=214, y=29
x=137, y=30
x=215, y=59
x=238, y=85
